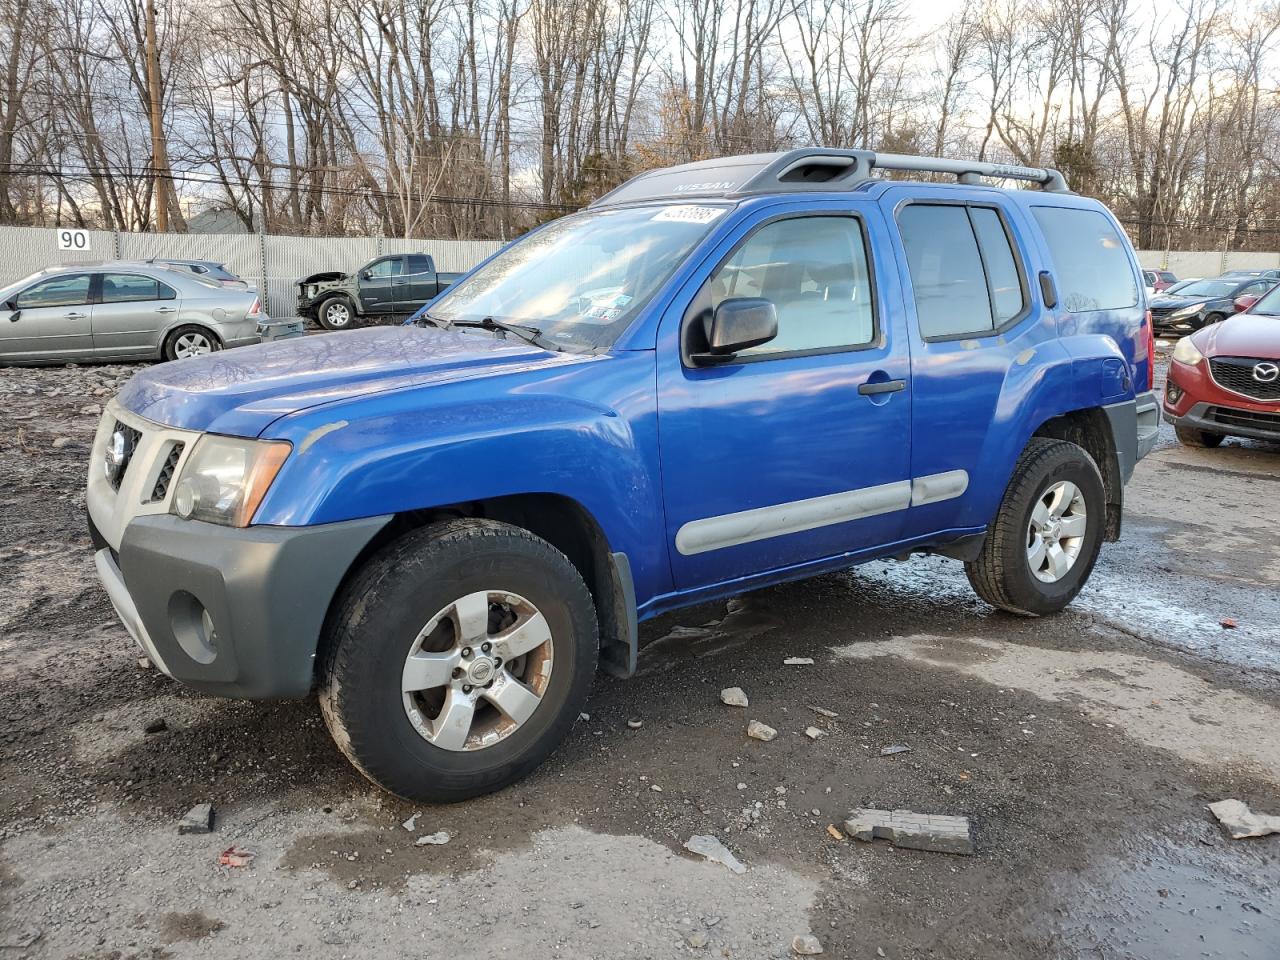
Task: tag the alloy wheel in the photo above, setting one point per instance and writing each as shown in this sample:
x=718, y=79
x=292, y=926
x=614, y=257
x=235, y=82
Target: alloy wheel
x=1056, y=531
x=477, y=671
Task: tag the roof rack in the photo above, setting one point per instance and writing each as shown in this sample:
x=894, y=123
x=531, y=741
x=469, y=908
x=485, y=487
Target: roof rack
x=808, y=169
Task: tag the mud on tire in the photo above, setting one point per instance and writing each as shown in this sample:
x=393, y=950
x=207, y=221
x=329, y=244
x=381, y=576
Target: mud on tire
x=379, y=620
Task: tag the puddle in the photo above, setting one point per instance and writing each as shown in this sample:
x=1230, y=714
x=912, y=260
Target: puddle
x=1151, y=701
x=1159, y=908
x=1140, y=608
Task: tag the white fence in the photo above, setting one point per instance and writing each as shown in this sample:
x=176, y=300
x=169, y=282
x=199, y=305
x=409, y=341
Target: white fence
x=273, y=264
x=270, y=263
x=1188, y=263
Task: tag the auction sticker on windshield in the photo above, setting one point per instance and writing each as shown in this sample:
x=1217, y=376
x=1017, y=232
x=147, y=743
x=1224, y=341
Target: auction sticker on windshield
x=689, y=214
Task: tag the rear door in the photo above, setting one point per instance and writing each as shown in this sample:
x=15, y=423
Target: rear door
x=798, y=449
x=416, y=285
x=131, y=313
x=974, y=326
x=52, y=319
x=377, y=285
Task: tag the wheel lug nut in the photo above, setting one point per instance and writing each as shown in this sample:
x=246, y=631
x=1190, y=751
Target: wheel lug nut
x=497, y=662
x=466, y=688
x=484, y=647
x=457, y=672
x=466, y=651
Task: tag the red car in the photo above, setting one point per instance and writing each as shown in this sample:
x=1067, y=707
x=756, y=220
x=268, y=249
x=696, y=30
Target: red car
x=1225, y=378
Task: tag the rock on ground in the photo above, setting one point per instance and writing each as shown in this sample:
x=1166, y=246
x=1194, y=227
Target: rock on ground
x=761, y=731
x=715, y=851
x=915, y=831
x=806, y=944
x=734, y=697
x=1242, y=822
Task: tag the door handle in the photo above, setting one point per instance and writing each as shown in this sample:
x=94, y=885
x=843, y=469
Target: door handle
x=166, y=309
x=884, y=386
x=74, y=316
x=399, y=283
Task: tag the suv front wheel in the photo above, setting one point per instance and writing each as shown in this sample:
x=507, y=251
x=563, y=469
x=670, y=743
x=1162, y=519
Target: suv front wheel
x=457, y=659
x=1040, y=550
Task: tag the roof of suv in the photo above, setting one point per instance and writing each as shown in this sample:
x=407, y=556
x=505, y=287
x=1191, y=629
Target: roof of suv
x=806, y=170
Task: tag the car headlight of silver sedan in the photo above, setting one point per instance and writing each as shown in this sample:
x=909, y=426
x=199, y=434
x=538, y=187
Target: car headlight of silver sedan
x=225, y=478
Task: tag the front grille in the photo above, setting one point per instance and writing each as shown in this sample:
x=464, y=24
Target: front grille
x=1237, y=375
x=116, y=467
x=1244, y=418
x=161, y=489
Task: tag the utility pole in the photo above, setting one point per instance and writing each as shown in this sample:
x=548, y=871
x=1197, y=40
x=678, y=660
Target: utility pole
x=159, y=159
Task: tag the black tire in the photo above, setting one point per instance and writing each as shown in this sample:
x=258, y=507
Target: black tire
x=377, y=618
x=1191, y=437
x=173, y=343
x=333, y=310
x=1213, y=318
x=1002, y=574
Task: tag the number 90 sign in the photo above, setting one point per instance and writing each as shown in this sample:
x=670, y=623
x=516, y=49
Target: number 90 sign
x=73, y=240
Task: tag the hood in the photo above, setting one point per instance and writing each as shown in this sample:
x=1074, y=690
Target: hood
x=241, y=392
x=1243, y=335
x=1175, y=301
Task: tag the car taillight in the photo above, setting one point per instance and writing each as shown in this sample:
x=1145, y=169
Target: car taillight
x=1151, y=351
x=256, y=308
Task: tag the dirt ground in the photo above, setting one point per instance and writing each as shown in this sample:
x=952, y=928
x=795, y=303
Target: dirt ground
x=1084, y=748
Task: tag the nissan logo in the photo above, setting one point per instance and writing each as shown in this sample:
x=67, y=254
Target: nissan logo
x=1266, y=372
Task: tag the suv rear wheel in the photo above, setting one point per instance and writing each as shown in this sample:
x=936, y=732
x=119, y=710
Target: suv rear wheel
x=1042, y=546
x=457, y=659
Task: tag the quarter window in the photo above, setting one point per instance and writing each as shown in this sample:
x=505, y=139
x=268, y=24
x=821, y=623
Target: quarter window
x=419, y=263
x=815, y=272
x=1093, y=271
x=964, y=273
x=63, y=291
x=129, y=288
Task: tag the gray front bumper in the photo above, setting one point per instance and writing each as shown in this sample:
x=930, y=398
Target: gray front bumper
x=264, y=591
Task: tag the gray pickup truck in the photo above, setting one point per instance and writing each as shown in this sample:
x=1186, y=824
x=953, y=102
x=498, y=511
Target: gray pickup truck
x=390, y=286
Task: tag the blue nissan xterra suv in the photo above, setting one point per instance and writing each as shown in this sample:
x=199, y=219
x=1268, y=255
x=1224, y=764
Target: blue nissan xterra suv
x=719, y=376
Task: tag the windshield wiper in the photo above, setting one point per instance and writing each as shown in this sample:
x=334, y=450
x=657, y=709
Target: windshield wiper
x=426, y=318
x=528, y=334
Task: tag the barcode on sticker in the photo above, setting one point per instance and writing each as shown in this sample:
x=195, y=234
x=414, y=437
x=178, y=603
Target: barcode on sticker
x=689, y=214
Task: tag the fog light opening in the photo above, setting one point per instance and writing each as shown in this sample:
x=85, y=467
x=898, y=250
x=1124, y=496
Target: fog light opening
x=193, y=627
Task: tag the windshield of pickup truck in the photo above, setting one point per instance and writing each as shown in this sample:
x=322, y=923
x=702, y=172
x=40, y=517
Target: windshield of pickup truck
x=580, y=281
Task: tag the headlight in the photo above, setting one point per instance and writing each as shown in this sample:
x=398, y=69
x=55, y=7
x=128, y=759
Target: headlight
x=1186, y=311
x=225, y=479
x=1186, y=352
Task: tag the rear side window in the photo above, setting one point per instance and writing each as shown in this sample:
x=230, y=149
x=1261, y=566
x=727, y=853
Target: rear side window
x=964, y=274
x=1092, y=266
x=419, y=263
x=129, y=287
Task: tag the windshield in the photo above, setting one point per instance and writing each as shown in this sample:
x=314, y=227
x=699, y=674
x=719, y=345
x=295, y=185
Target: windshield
x=581, y=280
x=1269, y=304
x=1209, y=288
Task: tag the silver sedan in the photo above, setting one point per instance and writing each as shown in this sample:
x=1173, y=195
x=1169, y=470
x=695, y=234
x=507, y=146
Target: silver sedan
x=122, y=311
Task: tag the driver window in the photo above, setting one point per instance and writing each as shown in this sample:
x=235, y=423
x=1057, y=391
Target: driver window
x=65, y=291
x=816, y=273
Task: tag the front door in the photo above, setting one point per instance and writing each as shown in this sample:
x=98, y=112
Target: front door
x=798, y=449
x=131, y=314
x=377, y=285
x=52, y=319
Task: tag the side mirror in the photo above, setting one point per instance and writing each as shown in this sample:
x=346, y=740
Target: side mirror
x=12, y=306
x=366, y=274
x=738, y=324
